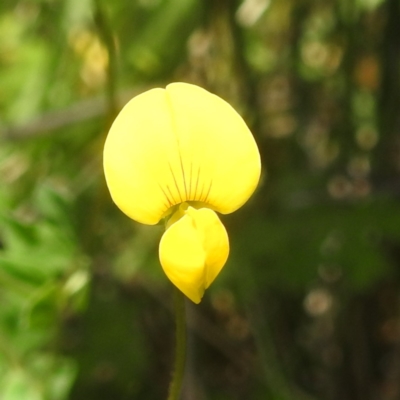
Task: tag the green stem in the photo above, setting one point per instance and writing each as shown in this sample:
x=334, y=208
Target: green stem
x=180, y=349
x=104, y=27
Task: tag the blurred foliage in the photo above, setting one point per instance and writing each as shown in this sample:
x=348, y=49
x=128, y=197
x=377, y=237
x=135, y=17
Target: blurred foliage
x=308, y=306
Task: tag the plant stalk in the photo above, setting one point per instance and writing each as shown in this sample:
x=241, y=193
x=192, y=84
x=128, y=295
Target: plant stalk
x=180, y=347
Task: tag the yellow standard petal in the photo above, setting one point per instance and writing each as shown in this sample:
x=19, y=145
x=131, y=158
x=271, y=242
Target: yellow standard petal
x=193, y=250
x=175, y=145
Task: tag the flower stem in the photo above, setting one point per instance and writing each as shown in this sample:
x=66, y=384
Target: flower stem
x=180, y=349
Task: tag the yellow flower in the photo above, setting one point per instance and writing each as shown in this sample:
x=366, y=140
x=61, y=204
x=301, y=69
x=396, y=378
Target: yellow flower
x=182, y=153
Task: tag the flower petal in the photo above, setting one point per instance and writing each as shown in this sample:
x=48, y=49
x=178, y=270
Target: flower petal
x=214, y=239
x=175, y=145
x=137, y=158
x=218, y=151
x=193, y=251
x=183, y=258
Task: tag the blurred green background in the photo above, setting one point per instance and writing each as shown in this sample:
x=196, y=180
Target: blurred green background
x=308, y=305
